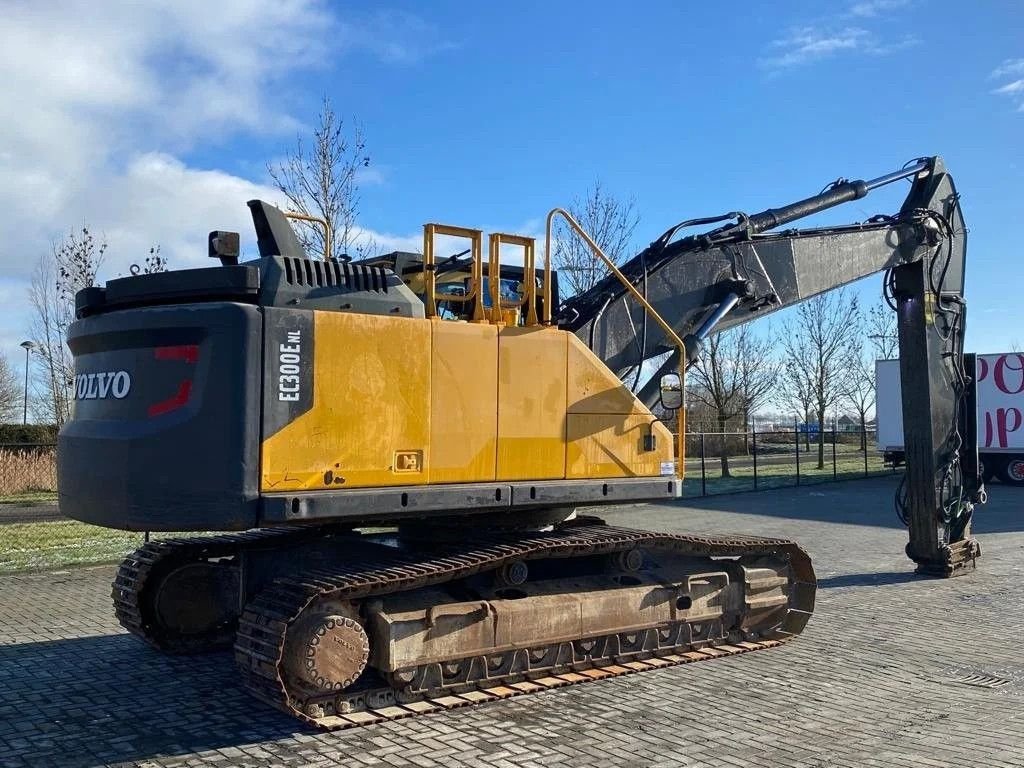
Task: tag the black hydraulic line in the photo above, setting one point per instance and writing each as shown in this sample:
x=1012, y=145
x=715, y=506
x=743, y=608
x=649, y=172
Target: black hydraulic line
x=582, y=308
x=836, y=194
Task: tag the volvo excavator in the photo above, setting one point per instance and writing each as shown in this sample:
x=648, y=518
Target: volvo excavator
x=391, y=453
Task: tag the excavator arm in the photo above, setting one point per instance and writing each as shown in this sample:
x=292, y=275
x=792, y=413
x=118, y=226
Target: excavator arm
x=747, y=267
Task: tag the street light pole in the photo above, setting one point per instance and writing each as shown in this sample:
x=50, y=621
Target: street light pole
x=28, y=347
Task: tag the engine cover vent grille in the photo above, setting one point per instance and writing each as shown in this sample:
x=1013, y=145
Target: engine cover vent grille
x=334, y=274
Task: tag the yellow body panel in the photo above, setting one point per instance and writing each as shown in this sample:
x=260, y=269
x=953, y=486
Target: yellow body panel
x=531, y=403
x=463, y=419
x=606, y=424
x=593, y=388
x=370, y=420
x=399, y=401
x=612, y=445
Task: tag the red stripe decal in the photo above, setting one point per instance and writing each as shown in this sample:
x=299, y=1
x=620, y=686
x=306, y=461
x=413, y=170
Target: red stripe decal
x=172, y=403
x=187, y=352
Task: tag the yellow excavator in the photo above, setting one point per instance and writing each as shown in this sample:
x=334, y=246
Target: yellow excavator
x=393, y=451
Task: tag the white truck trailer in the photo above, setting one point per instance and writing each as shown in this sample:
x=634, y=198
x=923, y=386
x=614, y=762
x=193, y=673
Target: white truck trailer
x=1000, y=414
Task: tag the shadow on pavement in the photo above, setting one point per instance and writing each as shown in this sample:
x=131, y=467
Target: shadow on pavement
x=859, y=502
x=110, y=699
x=869, y=579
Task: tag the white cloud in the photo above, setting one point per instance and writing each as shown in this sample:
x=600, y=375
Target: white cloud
x=1015, y=88
x=104, y=98
x=1010, y=89
x=872, y=8
x=1009, y=68
x=827, y=38
x=804, y=45
x=90, y=87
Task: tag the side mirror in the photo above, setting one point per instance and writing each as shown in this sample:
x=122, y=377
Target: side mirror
x=671, y=392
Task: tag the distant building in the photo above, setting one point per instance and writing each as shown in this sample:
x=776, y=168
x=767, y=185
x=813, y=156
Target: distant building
x=847, y=424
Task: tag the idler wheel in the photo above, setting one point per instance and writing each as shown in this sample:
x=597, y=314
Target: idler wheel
x=326, y=651
x=197, y=599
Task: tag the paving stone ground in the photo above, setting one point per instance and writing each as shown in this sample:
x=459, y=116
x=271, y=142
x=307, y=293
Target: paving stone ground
x=872, y=682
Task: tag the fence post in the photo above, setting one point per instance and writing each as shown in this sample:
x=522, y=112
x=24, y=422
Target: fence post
x=835, y=436
x=864, y=444
x=753, y=443
x=703, y=472
x=796, y=435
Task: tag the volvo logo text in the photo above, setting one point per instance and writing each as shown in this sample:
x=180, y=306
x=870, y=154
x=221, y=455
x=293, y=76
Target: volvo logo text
x=99, y=386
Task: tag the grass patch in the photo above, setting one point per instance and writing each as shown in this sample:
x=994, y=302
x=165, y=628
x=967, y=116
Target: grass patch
x=28, y=498
x=32, y=546
x=779, y=475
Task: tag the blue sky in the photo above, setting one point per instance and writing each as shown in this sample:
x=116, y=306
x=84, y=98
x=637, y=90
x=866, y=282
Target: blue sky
x=488, y=115
x=489, y=118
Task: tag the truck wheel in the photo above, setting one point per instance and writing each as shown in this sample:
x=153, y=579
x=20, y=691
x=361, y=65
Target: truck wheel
x=1013, y=472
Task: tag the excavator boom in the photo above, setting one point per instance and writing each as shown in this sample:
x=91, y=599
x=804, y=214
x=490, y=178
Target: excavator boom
x=716, y=280
x=754, y=270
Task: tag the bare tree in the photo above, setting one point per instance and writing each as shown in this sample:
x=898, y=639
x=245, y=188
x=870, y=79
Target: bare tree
x=817, y=348
x=881, y=331
x=759, y=371
x=796, y=388
x=734, y=375
x=70, y=266
x=609, y=221
x=153, y=263
x=860, y=389
x=10, y=392
x=322, y=180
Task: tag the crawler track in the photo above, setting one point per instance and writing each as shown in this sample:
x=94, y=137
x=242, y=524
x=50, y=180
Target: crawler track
x=146, y=564
x=259, y=641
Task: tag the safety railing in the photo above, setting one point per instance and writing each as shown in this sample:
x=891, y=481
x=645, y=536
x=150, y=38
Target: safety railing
x=324, y=225
x=529, y=298
x=669, y=331
x=474, y=292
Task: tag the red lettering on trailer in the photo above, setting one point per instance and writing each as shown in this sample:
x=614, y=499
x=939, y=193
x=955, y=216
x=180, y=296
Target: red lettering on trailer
x=1007, y=421
x=1015, y=384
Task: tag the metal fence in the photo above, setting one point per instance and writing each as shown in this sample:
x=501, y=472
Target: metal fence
x=731, y=462
x=34, y=535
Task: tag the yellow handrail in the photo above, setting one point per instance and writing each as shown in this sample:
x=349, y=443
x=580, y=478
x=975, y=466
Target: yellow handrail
x=328, y=254
x=475, y=236
x=529, y=299
x=669, y=331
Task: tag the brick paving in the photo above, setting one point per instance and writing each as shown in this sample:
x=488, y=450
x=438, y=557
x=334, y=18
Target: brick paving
x=872, y=682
